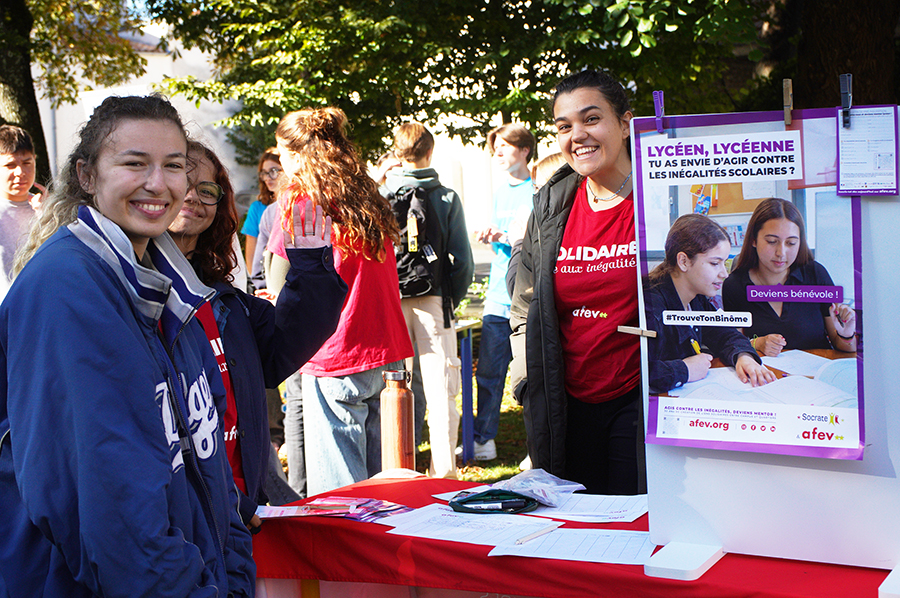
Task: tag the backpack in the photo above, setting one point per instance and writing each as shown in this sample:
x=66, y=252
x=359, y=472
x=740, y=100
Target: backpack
x=421, y=247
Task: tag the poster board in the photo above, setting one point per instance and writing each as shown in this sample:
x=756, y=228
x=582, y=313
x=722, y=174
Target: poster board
x=814, y=407
x=794, y=506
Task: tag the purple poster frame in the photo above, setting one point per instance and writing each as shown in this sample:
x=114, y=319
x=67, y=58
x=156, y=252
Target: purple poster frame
x=649, y=125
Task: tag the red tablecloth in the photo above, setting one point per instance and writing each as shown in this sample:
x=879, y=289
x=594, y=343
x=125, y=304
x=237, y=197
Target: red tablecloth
x=337, y=549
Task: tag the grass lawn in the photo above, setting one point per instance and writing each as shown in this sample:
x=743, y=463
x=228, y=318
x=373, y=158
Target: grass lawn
x=510, y=442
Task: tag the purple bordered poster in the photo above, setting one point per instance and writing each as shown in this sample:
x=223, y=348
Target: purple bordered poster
x=724, y=166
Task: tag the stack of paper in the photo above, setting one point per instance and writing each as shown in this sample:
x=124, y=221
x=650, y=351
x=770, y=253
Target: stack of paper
x=522, y=535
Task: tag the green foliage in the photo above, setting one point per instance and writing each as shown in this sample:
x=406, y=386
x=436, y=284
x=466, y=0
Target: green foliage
x=382, y=62
x=78, y=44
x=477, y=290
x=682, y=48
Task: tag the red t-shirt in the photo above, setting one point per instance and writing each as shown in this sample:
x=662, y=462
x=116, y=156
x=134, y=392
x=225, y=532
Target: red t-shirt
x=596, y=291
x=372, y=331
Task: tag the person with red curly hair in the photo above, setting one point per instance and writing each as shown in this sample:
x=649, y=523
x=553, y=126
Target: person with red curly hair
x=341, y=410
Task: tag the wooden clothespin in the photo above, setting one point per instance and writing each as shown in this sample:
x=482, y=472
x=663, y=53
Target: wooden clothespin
x=846, y=98
x=637, y=331
x=788, y=86
x=660, y=109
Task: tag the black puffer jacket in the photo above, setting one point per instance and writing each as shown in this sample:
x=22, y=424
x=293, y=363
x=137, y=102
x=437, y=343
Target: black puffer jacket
x=536, y=326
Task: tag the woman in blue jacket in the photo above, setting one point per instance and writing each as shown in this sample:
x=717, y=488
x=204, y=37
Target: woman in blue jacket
x=263, y=343
x=692, y=272
x=113, y=477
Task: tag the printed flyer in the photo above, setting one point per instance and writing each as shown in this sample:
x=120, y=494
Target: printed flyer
x=751, y=279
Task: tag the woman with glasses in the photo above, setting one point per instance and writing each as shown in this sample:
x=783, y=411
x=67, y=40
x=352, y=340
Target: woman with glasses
x=269, y=173
x=263, y=344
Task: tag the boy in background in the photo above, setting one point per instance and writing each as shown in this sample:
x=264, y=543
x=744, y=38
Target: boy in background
x=17, y=170
x=512, y=147
x=436, y=345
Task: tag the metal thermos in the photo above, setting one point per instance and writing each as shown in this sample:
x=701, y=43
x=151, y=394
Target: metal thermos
x=397, y=422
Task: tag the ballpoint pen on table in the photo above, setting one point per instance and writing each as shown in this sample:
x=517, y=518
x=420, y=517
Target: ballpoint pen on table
x=497, y=505
x=539, y=533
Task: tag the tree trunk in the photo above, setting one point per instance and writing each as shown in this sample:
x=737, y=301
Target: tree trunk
x=846, y=36
x=18, y=102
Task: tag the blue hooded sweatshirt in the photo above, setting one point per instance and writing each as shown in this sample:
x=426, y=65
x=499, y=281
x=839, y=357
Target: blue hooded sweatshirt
x=113, y=474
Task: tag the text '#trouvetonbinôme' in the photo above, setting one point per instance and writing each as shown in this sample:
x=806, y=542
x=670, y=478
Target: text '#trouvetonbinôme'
x=734, y=319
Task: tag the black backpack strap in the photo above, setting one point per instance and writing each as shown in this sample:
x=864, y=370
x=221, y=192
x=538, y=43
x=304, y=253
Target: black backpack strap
x=446, y=283
x=447, y=302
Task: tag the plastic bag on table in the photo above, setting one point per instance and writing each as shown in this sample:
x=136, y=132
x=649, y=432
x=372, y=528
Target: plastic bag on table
x=544, y=487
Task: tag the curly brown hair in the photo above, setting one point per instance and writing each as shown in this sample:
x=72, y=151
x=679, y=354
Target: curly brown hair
x=329, y=171
x=215, y=249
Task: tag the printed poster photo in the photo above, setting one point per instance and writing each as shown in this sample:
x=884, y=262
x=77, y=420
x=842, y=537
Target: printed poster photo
x=749, y=264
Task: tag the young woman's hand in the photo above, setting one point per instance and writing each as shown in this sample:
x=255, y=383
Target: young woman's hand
x=255, y=524
x=769, y=345
x=309, y=232
x=490, y=235
x=37, y=198
x=698, y=366
x=844, y=319
x=748, y=370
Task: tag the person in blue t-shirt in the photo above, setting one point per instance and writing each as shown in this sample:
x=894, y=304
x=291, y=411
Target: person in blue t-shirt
x=512, y=147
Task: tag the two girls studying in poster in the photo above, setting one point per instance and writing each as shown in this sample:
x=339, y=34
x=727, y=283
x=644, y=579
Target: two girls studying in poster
x=693, y=271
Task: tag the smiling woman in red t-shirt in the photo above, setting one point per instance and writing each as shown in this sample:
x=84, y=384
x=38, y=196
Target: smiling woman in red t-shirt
x=582, y=397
